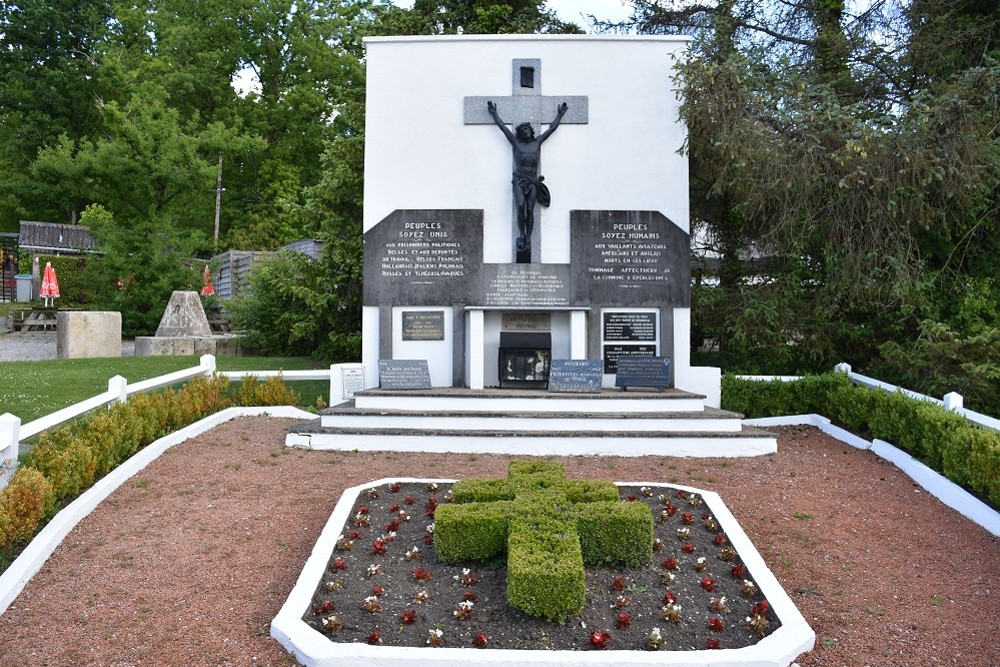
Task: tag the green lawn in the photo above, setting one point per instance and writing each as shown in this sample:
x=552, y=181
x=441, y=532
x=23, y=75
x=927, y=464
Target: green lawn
x=33, y=389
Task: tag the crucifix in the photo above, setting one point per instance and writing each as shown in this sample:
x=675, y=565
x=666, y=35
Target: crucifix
x=527, y=107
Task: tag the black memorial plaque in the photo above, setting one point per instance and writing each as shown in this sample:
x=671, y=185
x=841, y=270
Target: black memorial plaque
x=630, y=259
x=636, y=371
x=424, y=258
x=581, y=376
x=404, y=374
x=630, y=327
x=613, y=352
x=526, y=284
x=423, y=325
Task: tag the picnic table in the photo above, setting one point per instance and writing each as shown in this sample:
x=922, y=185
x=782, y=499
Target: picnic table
x=37, y=319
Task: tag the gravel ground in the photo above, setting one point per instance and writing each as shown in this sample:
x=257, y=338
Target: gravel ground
x=188, y=562
x=40, y=346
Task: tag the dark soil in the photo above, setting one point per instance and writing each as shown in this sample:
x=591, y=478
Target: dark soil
x=343, y=591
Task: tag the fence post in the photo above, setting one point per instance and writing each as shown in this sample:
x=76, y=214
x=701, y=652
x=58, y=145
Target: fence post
x=10, y=429
x=842, y=368
x=119, y=386
x=208, y=363
x=953, y=402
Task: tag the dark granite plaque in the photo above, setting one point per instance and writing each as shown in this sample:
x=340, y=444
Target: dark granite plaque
x=582, y=376
x=526, y=284
x=636, y=371
x=613, y=352
x=423, y=325
x=424, y=258
x=630, y=327
x=629, y=258
x=404, y=374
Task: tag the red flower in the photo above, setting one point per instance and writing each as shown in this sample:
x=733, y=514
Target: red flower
x=632, y=499
x=420, y=574
x=618, y=583
x=431, y=506
x=378, y=548
x=739, y=571
x=688, y=548
x=409, y=500
x=377, y=590
x=428, y=540
x=720, y=538
x=760, y=609
x=480, y=640
x=600, y=640
x=669, y=598
x=713, y=644
x=623, y=620
x=687, y=519
x=708, y=583
x=470, y=596
x=324, y=608
x=394, y=508
x=409, y=617
x=374, y=637
x=363, y=509
x=670, y=563
x=355, y=534
x=671, y=509
x=716, y=624
x=339, y=564
x=394, y=488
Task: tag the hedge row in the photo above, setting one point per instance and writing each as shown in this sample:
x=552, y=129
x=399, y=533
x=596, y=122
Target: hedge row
x=549, y=527
x=944, y=441
x=67, y=460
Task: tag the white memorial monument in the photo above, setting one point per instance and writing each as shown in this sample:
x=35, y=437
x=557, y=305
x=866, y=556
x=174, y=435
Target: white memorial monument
x=489, y=258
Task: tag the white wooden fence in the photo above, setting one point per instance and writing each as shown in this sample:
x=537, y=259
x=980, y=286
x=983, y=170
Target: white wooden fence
x=12, y=432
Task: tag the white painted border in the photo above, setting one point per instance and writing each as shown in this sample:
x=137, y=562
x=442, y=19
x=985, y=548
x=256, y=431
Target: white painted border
x=14, y=579
x=938, y=485
x=312, y=649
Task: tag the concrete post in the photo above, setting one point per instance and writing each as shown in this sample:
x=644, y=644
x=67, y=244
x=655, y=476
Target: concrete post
x=119, y=386
x=842, y=368
x=10, y=429
x=953, y=402
x=208, y=363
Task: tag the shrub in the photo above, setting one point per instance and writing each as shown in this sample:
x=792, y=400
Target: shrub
x=964, y=453
x=545, y=575
x=23, y=503
x=270, y=392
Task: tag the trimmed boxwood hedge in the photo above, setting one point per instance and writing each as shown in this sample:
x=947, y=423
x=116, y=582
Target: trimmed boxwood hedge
x=549, y=527
x=965, y=453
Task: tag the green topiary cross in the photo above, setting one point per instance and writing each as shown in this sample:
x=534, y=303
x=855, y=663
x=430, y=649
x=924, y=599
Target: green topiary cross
x=549, y=526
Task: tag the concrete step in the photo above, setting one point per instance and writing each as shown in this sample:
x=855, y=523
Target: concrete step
x=707, y=420
x=453, y=399
x=745, y=442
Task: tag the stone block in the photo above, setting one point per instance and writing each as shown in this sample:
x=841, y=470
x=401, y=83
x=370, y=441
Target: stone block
x=88, y=335
x=184, y=316
x=168, y=346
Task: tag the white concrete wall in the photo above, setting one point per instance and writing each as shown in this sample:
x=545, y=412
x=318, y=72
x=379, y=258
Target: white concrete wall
x=420, y=154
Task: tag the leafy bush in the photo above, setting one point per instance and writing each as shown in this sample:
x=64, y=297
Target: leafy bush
x=23, y=503
x=270, y=392
x=966, y=454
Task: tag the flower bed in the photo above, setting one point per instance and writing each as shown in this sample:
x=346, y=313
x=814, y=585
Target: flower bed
x=379, y=586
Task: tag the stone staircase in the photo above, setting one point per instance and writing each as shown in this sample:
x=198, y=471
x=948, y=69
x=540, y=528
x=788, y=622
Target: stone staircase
x=533, y=422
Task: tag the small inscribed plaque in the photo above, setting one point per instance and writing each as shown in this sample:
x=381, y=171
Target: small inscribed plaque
x=636, y=371
x=612, y=352
x=582, y=376
x=404, y=374
x=354, y=381
x=525, y=322
x=423, y=325
x=630, y=326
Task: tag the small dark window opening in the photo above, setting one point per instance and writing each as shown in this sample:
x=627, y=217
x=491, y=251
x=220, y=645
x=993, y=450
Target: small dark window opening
x=527, y=77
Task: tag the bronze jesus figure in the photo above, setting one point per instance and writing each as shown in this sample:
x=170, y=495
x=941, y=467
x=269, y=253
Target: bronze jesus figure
x=528, y=185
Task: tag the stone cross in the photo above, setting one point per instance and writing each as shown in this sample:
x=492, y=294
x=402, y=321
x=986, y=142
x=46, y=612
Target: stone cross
x=527, y=104
x=548, y=538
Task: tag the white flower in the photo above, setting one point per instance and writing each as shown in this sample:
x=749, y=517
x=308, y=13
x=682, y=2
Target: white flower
x=430, y=528
x=701, y=560
x=371, y=598
x=655, y=634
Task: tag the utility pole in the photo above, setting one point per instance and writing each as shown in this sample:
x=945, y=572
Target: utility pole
x=218, y=202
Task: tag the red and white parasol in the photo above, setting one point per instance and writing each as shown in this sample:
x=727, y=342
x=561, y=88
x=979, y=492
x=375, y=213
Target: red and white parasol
x=50, y=285
x=207, y=289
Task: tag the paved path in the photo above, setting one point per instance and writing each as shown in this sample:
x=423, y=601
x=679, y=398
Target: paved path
x=38, y=346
